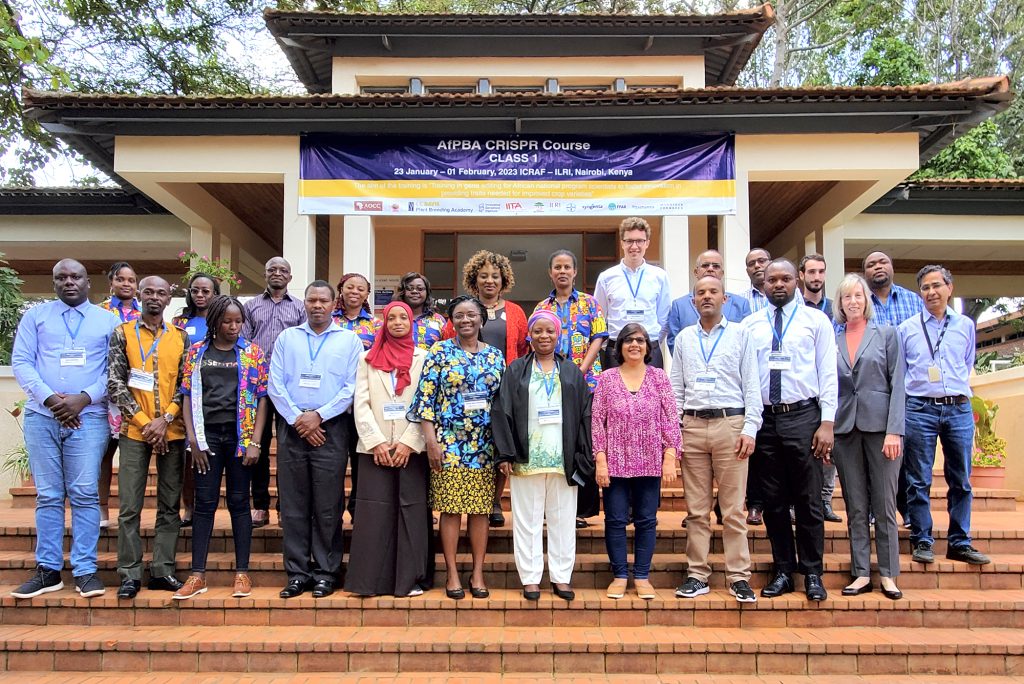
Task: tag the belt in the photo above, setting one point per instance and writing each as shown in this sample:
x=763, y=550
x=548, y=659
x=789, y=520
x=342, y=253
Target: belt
x=948, y=401
x=708, y=414
x=795, y=406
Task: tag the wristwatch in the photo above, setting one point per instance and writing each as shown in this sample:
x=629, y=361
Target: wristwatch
x=256, y=444
x=169, y=417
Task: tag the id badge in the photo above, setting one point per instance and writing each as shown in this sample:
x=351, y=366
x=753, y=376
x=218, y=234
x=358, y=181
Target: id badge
x=549, y=415
x=474, y=401
x=191, y=331
x=635, y=315
x=141, y=380
x=310, y=380
x=779, y=361
x=394, y=410
x=72, y=357
x=934, y=374
x=705, y=382
x=491, y=314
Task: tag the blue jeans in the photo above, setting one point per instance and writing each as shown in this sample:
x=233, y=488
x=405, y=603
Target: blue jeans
x=66, y=464
x=953, y=425
x=642, y=495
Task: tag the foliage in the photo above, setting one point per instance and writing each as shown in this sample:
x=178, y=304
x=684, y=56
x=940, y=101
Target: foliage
x=217, y=268
x=11, y=303
x=890, y=61
x=16, y=458
x=989, y=448
x=978, y=154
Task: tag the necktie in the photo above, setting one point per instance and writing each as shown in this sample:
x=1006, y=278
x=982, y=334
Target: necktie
x=775, y=376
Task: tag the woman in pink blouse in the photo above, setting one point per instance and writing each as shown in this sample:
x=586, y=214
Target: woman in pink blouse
x=636, y=437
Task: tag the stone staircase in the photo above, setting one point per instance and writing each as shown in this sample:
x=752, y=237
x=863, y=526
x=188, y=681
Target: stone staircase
x=955, y=620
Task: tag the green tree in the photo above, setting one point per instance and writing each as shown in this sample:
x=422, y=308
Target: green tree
x=890, y=61
x=978, y=154
x=11, y=303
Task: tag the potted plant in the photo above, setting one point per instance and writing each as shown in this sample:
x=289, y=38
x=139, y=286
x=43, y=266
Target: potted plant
x=219, y=269
x=15, y=459
x=987, y=463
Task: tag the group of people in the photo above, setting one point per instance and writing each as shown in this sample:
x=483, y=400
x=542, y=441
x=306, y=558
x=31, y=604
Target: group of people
x=769, y=393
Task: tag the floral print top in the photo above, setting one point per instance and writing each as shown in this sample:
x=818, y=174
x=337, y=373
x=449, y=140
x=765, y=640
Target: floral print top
x=365, y=325
x=452, y=377
x=545, y=440
x=426, y=329
x=253, y=375
x=634, y=430
x=116, y=306
x=582, y=323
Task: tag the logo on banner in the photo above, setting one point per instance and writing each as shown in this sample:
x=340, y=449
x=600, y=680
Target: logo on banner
x=513, y=206
x=396, y=207
x=369, y=206
x=489, y=208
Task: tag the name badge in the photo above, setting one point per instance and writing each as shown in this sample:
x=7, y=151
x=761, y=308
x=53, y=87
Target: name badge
x=550, y=415
x=191, y=330
x=635, y=315
x=705, y=381
x=934, y=374
x=141, y=380
x=394, y=410
x=474, y=401
x=779, y=361
x=310, y=380
x=72, y=357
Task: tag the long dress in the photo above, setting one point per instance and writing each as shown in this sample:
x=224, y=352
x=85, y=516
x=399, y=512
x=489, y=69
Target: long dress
x=455, y=393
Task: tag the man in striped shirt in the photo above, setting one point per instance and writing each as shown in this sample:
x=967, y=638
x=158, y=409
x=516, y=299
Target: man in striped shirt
x=266, y=316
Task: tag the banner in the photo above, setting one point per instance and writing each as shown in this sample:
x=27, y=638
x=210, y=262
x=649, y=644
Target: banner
x=518, y=175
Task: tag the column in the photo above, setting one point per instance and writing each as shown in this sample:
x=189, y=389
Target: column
x=734, y=243
x=225, y=253
x=298, y=237
x=359, y=250
x=675, y=252
x=336, y=249
x=201, y=240
x=833, y=248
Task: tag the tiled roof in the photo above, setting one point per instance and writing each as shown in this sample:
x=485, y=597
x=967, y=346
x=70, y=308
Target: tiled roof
x=969, y=184
x=75, y=200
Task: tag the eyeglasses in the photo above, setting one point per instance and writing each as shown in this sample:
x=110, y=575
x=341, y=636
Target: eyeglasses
x=415, y=288
x=709, y=265
x=635, y=340
x=758, y=262
x=467, y=316
x=634, y=243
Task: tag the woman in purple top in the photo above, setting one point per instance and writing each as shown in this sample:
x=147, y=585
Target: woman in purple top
x=636, y=437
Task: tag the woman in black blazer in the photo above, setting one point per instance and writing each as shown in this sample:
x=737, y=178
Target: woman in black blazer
x=541, y=424
x=869, y=434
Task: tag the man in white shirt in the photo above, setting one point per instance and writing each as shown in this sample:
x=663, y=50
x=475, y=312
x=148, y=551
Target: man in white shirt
x=756, y=261
x=796, y=351
x=634, y=291
x=718, y=394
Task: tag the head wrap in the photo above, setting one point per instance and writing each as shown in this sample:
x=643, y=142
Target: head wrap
x=390, y=353
x=546, y=315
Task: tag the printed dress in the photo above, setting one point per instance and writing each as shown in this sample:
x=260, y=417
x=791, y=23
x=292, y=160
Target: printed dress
x=455, y=393
x=582, y=323
x=364, y=325
x=427, y=328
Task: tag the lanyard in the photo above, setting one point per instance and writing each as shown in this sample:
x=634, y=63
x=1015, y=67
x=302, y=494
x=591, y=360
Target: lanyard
x=81, y=319
x=633, y=291
x=768, y=315
x=548, y=379
x=394, y=384
x=152, y=348
x=565, y=315
x=934, y=350
x=707, y=356
x=309, y=344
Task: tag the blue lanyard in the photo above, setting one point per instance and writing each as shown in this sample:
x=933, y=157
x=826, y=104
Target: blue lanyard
x=67, y=327
x=309, y=344
x=563, y=342
x=156, y=341
x=633, y=291
x=707, y=357
x=548, y=379
x=768, y=315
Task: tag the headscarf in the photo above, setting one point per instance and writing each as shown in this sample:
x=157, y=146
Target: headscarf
x=545, y=314
x=390, y=353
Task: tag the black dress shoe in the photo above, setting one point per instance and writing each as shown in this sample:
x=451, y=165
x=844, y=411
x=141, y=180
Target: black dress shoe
x=531, y=595
x=814, y=588
x=895, y=595
x=857, y=591
x=168, y=583
x=755, y=516
x=295, y=587
x=496, y=519
x=581, y=524
x=564, y=594
x=781, y=584
x=830, y=515
x=456, y=594
x=478, y=592
x=129, y=589
x=323, y=588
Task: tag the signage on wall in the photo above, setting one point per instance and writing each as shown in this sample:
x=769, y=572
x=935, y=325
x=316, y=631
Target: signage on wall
x=518, y=175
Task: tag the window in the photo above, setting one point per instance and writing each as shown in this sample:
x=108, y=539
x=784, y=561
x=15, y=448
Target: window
x=519, y=89
x=449, y=90
x=383, y=90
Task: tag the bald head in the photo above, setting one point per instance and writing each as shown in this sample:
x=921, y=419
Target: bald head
x=278, y=273
x=70, y=282
x=154, y=295
x=708, y=297
x=709, y=263
x=878, y=271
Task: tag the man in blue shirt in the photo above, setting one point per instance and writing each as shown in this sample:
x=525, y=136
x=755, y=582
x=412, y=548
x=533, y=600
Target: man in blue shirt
x=312, y=382
x=684, y=312
x=60, y=361
x=938, y=351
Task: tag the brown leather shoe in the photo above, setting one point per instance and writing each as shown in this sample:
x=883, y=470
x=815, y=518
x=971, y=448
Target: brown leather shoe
x=617, y=589
x=644, y=589
x=243, y=586
x=194, y=586
x=754, y=516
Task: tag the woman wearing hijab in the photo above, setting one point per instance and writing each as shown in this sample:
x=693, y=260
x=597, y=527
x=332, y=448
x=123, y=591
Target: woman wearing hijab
x=391, y=544
x=541, y=423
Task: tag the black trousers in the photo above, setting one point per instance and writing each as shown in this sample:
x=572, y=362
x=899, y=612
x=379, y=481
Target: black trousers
x=310, y=483
x=348, y=418
x=261, y=470
x=791, y=476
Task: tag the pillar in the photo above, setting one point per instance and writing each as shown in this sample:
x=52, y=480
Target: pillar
x=201, y=240
x=298, y=237
x=225, y=253
x=675, y=253
x=336, y=248
x=734, y=243
x=833, y=248
x=359, y=247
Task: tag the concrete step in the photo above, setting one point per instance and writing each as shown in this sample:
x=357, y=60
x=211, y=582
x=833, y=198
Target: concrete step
x=65, y=677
